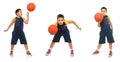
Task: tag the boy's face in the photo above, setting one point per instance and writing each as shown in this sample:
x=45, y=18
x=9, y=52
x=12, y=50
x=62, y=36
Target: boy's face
x=19, y=13
x=103, y=11
x=60, y=20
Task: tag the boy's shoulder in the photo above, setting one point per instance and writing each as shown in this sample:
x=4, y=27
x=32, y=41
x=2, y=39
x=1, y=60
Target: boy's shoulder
x=14, y=18
x=65, y=21
x=108, y=16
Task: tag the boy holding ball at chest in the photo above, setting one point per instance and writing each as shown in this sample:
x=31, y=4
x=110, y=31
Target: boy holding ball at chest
x=106, y=31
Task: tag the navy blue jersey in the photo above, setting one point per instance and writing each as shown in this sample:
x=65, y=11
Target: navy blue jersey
x=105, y=25
x=62, y=27
x=18, y=26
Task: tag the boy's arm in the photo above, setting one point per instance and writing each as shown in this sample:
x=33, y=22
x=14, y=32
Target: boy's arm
x=12, y=22
x=27, y=19
x=111, y=26
x=73, y=22
x=99, y=24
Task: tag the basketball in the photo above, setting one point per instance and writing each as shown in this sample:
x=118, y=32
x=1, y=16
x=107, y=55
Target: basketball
x=30, y=6
x=98, y=17
x=52, y=29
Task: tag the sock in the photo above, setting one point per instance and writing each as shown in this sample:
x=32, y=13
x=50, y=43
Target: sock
x=50, y=48
x=71, y=49
x=97, y=49
x=110, y=49
x=11, y=51
x=27, y=50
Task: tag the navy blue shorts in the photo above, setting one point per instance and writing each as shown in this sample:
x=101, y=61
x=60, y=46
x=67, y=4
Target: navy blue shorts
x=18, y=35
x=65, y=35
x=108, y=34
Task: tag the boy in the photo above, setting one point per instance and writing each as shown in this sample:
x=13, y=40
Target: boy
x=106, y=31
x=18, y=32
x=62, y=31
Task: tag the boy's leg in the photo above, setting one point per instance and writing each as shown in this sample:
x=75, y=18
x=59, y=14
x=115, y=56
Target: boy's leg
x=98, y=48
x=26, y=47
x=67, y=38
x=49, y=50
x=110, y=41
x=13, y=41
x=70, y=45
x=24, y=41
x=55, y=39
x=71, y=49
x=52, y=45
x=110, y=47
x=101, y=41
x=11, y=50
x=12, y=47
x=27, y=50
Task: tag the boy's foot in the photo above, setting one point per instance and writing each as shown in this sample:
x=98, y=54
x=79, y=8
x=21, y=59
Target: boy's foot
x=28, y=53
x=72, y=53
x=96, y=52
x=110, y=54
x=11, y=53
x=48, y=52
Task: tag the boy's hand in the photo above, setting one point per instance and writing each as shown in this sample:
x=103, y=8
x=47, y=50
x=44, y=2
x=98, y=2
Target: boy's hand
x=79, y=28
x=111, y=28
x=27, y=13
x=98, y=24
x=5, y=30
x=51, y=34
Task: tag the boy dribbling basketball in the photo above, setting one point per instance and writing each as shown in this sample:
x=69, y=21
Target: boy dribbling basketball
x=62, y=31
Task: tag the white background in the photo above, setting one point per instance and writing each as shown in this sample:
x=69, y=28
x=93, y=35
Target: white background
x=84, y=41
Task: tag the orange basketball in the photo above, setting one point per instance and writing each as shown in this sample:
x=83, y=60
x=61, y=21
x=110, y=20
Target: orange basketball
x=52, y=29
x=98, y=17
x=31, y=7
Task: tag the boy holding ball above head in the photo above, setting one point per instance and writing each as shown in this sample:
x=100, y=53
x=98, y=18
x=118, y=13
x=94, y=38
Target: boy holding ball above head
x=18, y=32
x=62, y=31
x=106, y=31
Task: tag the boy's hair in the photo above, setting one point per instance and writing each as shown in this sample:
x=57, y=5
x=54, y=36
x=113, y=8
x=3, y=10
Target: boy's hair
x=104, y=8
x=17, y=10
x=60, y=16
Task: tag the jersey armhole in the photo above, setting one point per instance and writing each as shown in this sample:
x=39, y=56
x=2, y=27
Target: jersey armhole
x=14, y=19
x=56, y=24
x=23, y=18
x=66, y=22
